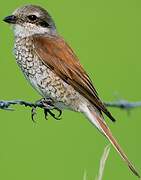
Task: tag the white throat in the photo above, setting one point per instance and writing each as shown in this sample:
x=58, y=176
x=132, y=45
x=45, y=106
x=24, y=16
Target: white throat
x=28, y=30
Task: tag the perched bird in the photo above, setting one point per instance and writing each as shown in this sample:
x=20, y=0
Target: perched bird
x=53, y=69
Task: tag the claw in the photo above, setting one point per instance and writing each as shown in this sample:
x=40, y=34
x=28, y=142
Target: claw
x=60, y=112
x=33, y=113
x=46, y=113
x=53, y=115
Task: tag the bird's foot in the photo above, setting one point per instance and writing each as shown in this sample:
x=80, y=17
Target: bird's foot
x=48, y=105
x=48, y=111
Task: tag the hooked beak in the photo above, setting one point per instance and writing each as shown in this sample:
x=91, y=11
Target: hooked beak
x=10, y=19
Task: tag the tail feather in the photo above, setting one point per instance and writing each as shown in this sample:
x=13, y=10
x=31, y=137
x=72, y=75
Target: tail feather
x=97, y=120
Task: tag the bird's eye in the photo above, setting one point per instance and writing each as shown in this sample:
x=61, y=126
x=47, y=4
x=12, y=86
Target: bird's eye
x=32, y=17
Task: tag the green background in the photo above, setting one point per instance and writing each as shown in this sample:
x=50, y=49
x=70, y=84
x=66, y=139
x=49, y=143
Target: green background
x=106, y=35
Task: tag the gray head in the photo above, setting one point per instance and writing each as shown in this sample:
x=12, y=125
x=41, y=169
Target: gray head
x=30, y=20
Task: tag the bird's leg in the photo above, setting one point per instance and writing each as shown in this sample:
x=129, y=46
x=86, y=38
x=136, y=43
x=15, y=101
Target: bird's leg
x=48, y=105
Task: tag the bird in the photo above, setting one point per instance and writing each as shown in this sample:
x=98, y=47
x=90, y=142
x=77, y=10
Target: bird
x=54, y=70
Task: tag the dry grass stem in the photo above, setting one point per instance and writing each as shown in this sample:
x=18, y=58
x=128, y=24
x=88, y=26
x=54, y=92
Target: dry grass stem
x=103, y=162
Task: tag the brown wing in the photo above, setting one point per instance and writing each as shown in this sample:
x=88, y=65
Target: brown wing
x=56, y=54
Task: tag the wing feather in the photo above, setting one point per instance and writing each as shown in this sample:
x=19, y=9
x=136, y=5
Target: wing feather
x=57, y=55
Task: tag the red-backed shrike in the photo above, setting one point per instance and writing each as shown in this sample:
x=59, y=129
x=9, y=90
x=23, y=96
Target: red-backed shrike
x=53, y=69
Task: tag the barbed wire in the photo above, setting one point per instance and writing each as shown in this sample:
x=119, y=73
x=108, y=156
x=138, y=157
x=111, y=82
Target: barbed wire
x=122, y=104
x=47, y=106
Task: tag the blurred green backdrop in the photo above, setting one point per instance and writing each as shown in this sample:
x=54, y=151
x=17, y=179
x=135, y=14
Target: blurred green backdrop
x=106, y=36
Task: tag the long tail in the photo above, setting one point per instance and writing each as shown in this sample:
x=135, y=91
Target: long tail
x=98, y=121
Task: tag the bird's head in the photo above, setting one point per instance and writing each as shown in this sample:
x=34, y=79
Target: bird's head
x=30, y=20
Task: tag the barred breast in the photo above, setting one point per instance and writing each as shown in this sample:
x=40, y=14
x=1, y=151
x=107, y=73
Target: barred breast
x=46, y=82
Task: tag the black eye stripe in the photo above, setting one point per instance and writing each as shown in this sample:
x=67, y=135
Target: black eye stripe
x=35, y=19
x=44, y=24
